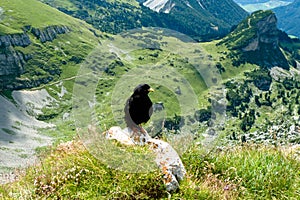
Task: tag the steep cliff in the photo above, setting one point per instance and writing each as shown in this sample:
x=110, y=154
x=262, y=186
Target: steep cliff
x=267, y=33
x=21, y=39
x=256, y=40
x=49, y=33
x=13, y=60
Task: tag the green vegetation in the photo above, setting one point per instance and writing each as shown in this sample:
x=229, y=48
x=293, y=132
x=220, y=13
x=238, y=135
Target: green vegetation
x=263, y=173
x=45, y=61
x=255, y=40
x=249, y=172
x=51, y=65
x=262, y=104
x=8, y=131
x=117, y=16
x=18, y=14
x=166, y=72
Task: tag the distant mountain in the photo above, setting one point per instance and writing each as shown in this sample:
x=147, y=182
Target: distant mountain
x=215, y=16
x=200, y=19
x=253, y=5
x=243, y=2
x=289, y=18
x=226, y=10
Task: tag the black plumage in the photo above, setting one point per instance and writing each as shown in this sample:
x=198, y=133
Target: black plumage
x=138, y=108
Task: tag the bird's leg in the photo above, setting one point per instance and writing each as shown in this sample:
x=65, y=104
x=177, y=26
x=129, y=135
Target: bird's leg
x=135, y=130
x=138, y=133
x=142, y=130
x=135, y=135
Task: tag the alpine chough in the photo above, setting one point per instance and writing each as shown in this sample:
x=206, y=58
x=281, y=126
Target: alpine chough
x=138, y=108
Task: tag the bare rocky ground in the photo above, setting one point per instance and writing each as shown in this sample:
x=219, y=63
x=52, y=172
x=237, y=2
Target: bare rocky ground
x=19, y=130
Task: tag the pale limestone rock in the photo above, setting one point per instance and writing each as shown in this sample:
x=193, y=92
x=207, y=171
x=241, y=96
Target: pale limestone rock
x=166, y=157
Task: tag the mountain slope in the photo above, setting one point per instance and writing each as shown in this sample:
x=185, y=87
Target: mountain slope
x=256, y=40
x=262, y=105
x=260, y=70
x=212, y=9
x=36, y=48
x=216, y=17
x=289, y=18
x=203, y=20
x=39, y=47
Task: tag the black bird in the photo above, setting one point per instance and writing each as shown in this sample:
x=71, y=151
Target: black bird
x=138, y=108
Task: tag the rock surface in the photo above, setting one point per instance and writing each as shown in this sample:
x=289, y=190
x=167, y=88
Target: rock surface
x=166, y=157
x=49, y=33
x=256, y=40
x=267, y=33
x=13, y=60
x=19, y=131
x=20, y=39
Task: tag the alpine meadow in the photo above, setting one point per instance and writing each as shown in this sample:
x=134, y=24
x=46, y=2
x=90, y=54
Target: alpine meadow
x=78, y=119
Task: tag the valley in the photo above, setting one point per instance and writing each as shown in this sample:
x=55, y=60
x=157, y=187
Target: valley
x=228, y=80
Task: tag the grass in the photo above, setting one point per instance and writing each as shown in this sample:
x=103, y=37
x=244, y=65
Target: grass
x=244, y=172
x=264, y=172
x=219, y=54
x=163, y=67
x=18, y=13
x=63, y=3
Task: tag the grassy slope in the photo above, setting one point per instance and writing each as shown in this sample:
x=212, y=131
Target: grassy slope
x=117, y=71
x=249, y=172
x=280, y=113
x=65, y=53
x=24, y=12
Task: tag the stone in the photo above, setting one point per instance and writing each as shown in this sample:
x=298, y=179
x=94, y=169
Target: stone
x=166, y=157
x=19, y=39
x=159, y=106
x=49, y=33
x=267, y=33
x=11, y=61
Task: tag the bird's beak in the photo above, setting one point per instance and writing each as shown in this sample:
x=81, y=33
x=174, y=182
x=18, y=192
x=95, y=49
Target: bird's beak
x=151, y=90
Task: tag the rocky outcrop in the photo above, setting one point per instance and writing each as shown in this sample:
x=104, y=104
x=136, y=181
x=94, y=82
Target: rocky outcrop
x=256, y=40
x=49, y=33
x=20, y=39
x=166, y=157
x=267, y=33
x=12, y=62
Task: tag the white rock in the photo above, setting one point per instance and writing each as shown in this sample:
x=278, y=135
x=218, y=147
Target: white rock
x=166, y=157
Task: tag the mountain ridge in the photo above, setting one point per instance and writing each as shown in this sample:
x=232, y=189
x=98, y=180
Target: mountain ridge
x=188, y=17
x=256, y=40
x=261, y=100
x=288, y=18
